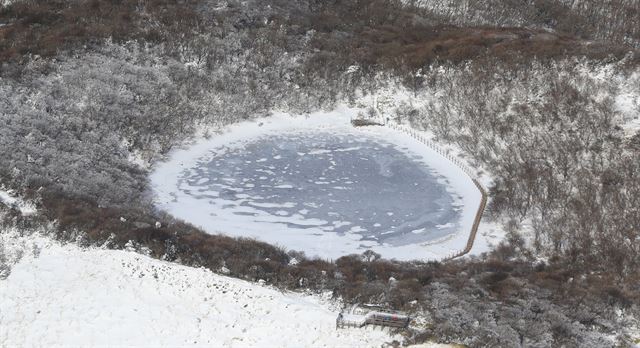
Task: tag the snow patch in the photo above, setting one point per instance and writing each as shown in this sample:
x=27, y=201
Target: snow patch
x=8, y=198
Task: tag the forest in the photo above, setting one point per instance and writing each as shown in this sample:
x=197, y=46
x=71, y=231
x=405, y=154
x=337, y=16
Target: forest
x=536, y=93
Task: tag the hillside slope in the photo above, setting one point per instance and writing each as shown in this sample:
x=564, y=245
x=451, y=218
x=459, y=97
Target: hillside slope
x=63, y=295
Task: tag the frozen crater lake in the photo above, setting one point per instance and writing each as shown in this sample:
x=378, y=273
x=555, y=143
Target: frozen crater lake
x=328, y=192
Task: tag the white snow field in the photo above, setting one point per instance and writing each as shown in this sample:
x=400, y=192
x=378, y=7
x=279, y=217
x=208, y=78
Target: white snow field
x=319, y=185
x=67, y=296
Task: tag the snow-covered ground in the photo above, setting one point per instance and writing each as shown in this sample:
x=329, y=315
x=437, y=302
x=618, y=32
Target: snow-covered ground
x=184, y=191
x=61, y=295
x=8, y=198
x=627, y=103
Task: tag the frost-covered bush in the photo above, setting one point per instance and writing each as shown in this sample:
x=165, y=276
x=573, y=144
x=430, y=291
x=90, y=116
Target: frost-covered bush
x=615, y=20
x=551, y=134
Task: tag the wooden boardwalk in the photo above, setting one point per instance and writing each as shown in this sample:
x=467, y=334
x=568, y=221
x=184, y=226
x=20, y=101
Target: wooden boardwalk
x=376, y=318
x=476, y=223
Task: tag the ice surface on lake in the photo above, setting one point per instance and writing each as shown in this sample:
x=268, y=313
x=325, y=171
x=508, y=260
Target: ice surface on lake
x=345, y=184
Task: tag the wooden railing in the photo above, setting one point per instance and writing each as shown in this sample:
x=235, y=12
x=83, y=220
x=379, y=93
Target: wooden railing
x=476, y=223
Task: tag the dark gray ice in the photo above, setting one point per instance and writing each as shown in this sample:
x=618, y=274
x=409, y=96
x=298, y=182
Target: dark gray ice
x=342, y=183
